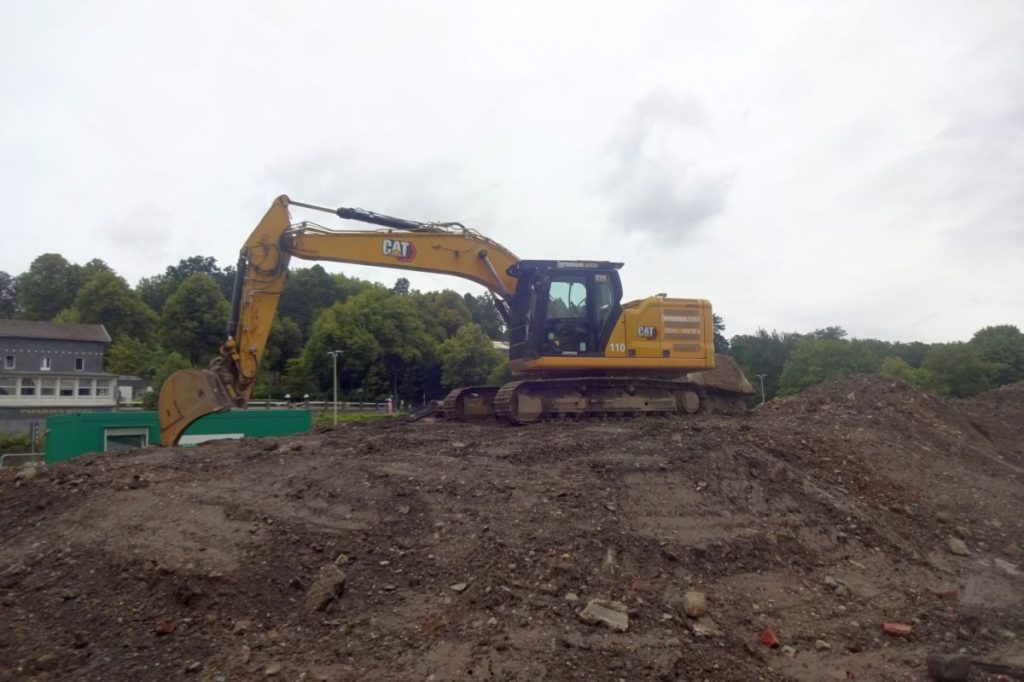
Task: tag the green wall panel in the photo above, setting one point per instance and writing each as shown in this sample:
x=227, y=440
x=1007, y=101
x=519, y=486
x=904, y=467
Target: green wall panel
x=71, y=435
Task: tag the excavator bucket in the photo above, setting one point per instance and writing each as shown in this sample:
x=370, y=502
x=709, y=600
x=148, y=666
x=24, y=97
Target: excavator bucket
x=185, y=397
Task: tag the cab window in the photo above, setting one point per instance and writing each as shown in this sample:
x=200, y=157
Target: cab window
x=567, y=298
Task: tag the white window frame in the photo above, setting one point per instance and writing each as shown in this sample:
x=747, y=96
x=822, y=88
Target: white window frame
x=85, y=385
x=79, y=364
x=101, y=385
x=9, y=362
x=31, y=383
x=54, y=383
x=11, y=383
x=67, y=384
x=136, y=431
x=44, y=364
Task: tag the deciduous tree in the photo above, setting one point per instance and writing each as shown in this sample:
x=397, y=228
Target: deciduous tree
x=468, y=358
x=194, y=318
x=815, y=360
x=958, y=369
x=108, y=300
x=1003, y=347
x=48, y=287
x=8, y=295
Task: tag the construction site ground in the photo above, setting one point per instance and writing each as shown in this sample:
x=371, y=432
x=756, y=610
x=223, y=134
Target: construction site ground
x=449, y=551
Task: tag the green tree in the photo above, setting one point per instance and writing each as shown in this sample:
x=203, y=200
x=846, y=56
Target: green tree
x=402, y=287
x=157, y=289
x=307, y=293
x=130, y=356
x=912, y=353
x=815, y=360
x=8, y=296
x=108, y=300
x=1003, y=347
x=958, y=369
x=165, y=367
x=721, y=343
x=482, y=311
x=834, y=333
x=283, y=344
x=443, y=312
x=898, y=368
x=468, y=358
x=48, y=287
x=764, y=353
x=384, y=342
x=194, y=318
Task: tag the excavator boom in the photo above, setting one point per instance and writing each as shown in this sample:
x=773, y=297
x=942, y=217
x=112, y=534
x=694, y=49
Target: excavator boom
x=262, y=270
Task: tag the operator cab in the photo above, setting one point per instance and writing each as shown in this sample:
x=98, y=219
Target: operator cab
x=563, y=308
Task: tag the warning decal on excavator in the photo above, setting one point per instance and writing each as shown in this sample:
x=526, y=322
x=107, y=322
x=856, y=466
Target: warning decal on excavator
x=403, y=251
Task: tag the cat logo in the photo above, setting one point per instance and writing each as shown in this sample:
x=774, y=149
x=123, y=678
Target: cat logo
x=405, y=252
x=646, y=331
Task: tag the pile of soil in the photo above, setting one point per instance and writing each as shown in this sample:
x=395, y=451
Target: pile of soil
x=465, y=551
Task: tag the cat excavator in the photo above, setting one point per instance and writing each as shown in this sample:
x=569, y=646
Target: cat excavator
x=575, y=349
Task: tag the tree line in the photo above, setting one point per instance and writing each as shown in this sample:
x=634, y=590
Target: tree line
x=789, y=362
x=393, y=341
x=415, y=345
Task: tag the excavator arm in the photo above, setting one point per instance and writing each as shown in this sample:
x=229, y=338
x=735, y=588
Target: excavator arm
x=446, y=248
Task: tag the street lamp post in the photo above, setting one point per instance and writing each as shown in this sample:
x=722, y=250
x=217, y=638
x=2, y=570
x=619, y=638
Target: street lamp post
x=334, y=354
x=761, y=377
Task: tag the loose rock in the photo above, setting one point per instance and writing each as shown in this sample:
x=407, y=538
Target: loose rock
x=328, y=586
x=958, y=547
x=695, y=604
x=949, y=667
x=611, y=614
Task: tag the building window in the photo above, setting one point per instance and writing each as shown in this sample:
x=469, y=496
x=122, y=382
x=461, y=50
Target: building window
x=8, y=362
x=84, y=388
x=48, y=387
x=45, y=364
x=79, y=364
x=8, y=386
x=28, y=386
x=67, y=388
x=102, y=388
x=124, y=439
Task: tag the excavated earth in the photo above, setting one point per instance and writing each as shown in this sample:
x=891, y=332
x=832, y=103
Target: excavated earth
x=441, y=551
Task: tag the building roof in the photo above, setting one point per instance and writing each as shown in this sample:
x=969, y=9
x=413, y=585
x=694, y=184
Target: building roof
x=28, y=329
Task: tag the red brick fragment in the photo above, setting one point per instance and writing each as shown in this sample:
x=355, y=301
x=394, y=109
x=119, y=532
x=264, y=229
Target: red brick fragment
x=897, y=629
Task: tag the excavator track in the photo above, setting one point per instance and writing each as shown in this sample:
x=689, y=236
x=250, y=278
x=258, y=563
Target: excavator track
x=533, y=400
x=469, y=403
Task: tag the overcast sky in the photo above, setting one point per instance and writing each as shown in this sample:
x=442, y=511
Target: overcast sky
x=799, y=164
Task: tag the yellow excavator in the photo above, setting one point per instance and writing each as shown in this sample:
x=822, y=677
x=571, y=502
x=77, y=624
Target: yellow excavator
x=575, y=349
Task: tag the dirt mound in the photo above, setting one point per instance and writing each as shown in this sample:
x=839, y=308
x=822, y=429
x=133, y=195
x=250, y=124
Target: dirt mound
x=460, y=551
x=997, y=415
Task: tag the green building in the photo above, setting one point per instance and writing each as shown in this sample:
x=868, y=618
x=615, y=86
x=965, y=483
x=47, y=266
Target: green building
x=71, y=435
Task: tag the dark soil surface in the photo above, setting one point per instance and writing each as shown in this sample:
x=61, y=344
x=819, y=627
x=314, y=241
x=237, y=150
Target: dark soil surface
x=467, y=551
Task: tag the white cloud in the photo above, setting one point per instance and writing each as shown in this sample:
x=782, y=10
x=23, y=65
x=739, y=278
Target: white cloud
x=801, y=165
